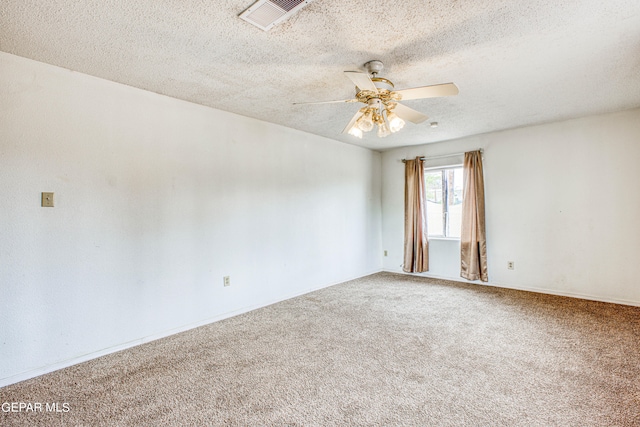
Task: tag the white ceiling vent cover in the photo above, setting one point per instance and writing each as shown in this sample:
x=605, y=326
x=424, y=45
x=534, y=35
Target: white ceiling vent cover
x=264, y=14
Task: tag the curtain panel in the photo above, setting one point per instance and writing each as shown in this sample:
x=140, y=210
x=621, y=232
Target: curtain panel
x=416, y=243
x=473, y=239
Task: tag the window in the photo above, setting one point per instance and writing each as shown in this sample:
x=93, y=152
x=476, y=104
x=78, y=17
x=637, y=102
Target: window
x=444, y=202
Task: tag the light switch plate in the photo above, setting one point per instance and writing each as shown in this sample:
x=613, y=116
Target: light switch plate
x=47, y=200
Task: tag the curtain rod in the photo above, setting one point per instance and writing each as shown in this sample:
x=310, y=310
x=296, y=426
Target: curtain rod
x=443, y=156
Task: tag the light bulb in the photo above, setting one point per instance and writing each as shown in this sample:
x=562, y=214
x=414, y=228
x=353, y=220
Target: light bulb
x=383, y=130
x=364, y=122
x=354, y=131
x=395, y=122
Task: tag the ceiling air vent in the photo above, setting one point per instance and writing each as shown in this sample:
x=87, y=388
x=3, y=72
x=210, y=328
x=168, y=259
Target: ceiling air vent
x=264, y=14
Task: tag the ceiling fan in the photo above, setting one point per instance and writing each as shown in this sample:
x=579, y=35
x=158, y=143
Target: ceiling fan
x=381, y=102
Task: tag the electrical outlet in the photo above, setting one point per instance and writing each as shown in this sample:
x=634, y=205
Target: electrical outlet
x=511, y=265
x=385, y=253
x=226, y=280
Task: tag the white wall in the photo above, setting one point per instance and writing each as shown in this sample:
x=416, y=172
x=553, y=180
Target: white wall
x=561, y=202
x=156, y=200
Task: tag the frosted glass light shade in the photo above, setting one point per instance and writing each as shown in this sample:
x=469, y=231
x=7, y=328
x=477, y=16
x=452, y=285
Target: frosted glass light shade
x=395, y=122
x=355, y=131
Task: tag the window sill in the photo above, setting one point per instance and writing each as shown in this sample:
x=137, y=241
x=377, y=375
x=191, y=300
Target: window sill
x=454, y=239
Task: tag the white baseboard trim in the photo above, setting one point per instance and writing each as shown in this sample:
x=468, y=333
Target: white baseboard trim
x=32, y=373
x=525, y=288
x=570, y=294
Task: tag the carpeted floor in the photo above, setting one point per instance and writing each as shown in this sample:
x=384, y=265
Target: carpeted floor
x=384, y=350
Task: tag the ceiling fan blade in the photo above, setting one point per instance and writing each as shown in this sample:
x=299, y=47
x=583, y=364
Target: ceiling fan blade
x=406, y=113
x=434, y=91
x=361, y=80
x=352, y=122
x=325, y=102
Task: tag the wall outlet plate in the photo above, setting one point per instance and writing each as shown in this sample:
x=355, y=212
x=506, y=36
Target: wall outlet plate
x=510, y=265
x=226, y=280
x=47, y=200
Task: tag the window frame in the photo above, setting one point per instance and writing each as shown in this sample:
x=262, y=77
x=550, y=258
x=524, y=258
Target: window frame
x=445, y=216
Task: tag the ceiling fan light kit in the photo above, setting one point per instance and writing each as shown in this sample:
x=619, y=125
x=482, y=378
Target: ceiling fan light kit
x=382, y=108
x=377, y=114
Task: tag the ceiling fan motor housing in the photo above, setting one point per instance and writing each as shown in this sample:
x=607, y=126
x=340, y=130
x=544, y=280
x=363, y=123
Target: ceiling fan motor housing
x=382, y=83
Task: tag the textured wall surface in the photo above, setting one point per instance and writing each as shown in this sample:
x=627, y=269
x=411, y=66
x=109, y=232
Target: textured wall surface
x=561, y=202
x=156, y=200
x=516, y=62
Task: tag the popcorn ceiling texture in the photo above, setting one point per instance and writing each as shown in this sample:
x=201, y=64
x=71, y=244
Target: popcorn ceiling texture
x=516, y=62
x=384, y=350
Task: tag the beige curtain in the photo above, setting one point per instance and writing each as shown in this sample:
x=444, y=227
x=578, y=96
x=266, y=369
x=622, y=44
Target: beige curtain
x=473, y=239
x=416, y=245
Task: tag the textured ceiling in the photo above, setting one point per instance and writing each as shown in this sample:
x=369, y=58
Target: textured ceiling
x=516, y=63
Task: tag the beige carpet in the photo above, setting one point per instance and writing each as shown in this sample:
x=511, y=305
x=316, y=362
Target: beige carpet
x=385, y=350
